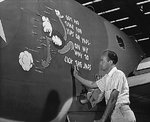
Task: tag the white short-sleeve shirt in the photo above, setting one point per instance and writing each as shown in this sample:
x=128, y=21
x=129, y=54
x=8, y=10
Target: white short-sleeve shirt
x=115, y=79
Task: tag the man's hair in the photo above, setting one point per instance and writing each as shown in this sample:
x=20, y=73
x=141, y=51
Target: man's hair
x=111, y=56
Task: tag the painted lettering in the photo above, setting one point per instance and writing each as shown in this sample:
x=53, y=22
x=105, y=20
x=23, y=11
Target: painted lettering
x=85, y=41
x=76, y=46
x=70, y=32
x=78, y=54
x=78, y=30
x=68, y=24
x=85, y=49
x=68, y=18
x=76, y=22
x=77, y=37
x=78, y=63
x=86, y=57
x=87, y=66
x=68, y=60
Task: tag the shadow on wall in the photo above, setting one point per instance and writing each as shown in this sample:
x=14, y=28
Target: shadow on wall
x=51, y=107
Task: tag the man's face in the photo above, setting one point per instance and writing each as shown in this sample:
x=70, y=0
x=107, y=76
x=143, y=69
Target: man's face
x=104, y=63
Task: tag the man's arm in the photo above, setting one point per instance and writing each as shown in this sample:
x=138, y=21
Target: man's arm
x=110, y=105
x=85, y=82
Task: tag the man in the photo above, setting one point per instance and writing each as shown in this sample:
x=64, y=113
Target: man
x=115, y=88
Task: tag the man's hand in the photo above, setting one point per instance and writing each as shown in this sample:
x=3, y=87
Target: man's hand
x=85, y=82
x=75, y=72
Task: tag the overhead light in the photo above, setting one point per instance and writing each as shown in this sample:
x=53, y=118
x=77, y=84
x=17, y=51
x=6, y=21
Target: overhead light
x=1, y=0
x=128, y=27
x=146, y=13
x=143, y=39
x=118, y=20
x=94, y=1
x=84, y=4
x=108, y=11
x=122, y=19
x=143, y=2
x=113, y=21
x=121, y=28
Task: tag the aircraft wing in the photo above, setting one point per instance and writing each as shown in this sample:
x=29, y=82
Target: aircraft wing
x=139, y=80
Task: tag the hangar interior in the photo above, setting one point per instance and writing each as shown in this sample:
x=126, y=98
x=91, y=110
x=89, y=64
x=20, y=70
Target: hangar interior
x=133, y=18
x=130, y=16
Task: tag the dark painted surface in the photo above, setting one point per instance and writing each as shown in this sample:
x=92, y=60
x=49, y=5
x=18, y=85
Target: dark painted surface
x=39, y=91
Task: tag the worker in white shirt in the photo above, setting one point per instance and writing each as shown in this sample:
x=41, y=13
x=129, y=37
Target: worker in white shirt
x=115, y=88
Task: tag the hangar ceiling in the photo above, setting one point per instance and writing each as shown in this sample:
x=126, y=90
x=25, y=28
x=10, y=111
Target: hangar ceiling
x=130, y=16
